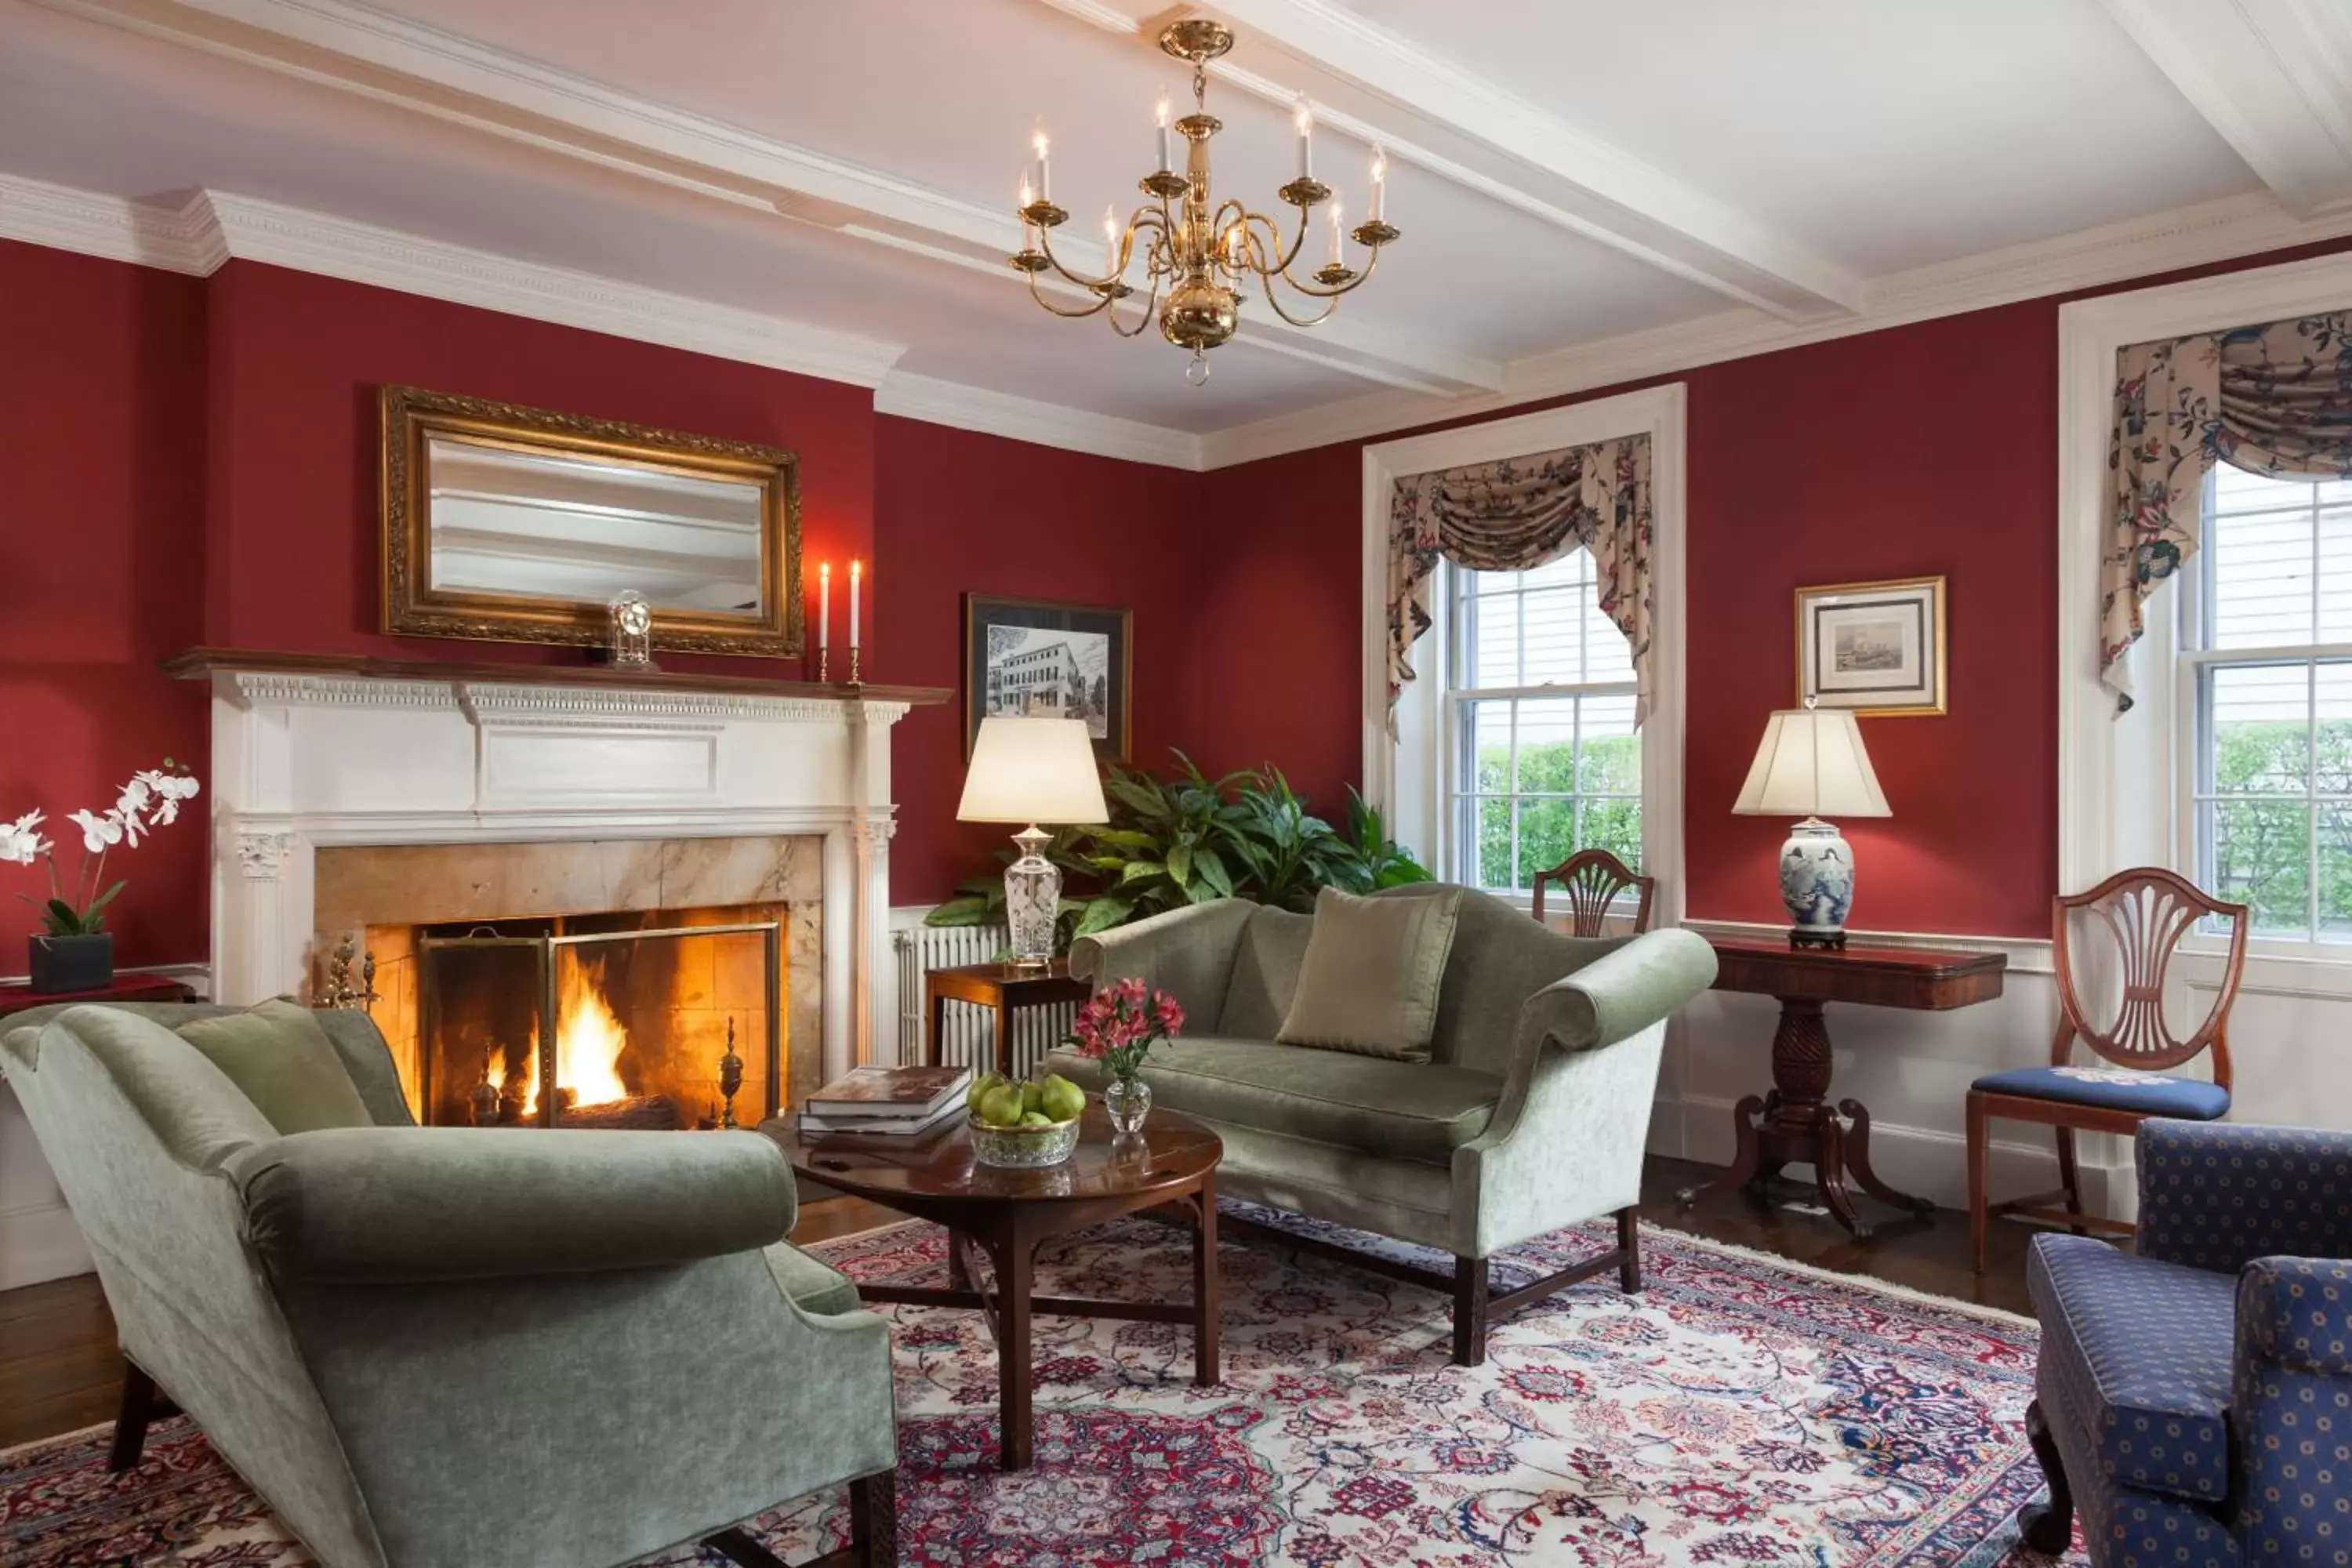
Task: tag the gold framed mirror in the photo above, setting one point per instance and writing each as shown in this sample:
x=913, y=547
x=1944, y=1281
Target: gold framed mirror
x=513, y=524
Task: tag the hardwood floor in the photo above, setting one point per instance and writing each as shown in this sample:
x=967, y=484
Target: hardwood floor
x=59, y=1370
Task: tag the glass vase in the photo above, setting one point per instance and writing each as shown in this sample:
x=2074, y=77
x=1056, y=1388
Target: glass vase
x=1127, y=1101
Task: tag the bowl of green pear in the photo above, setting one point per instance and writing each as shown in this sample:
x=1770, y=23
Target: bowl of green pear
x=1024, y=1126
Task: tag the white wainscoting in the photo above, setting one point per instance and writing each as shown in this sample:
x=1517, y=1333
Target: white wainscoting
x=38, y=1239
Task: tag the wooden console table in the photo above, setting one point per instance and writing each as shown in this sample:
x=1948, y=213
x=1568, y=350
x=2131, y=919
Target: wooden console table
x=1002, y=987
x=1796, y=1123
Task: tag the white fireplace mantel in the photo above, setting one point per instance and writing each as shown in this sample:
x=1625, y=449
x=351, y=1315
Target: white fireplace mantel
x=304, y=758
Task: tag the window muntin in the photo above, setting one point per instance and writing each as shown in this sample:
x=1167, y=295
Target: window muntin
x=1545, y=760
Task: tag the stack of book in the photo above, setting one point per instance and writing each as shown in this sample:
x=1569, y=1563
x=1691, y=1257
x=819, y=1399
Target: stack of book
x=884, y=1102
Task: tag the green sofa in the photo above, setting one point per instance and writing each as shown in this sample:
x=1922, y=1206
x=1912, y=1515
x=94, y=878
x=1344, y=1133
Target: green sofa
x=1532, y=1114
x=427, y=1346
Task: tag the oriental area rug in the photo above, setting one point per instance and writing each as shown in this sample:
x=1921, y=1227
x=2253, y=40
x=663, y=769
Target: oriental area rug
x=1740, y=1410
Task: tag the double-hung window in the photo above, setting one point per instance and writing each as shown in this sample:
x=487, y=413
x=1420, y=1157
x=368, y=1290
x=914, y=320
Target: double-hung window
x=1543, y=758
x=2266, y=683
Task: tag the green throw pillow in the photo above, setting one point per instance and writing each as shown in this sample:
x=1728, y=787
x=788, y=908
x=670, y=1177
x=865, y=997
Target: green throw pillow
x=282, y=1059
x=1370, y=980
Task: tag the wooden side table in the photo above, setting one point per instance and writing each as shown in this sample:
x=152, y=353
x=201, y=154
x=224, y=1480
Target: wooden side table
x=1796, y=1123
x=125, y=988
x=1002, y=987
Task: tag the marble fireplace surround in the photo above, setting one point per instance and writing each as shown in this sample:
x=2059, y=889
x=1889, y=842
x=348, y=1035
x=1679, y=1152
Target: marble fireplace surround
x=311, y=754
x=360, y=889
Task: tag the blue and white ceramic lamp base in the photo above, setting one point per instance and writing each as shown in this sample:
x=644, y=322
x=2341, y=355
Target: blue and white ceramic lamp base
x=1817, y=883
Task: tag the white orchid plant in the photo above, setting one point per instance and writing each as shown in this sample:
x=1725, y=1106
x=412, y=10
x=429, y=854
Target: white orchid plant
x=151, y=800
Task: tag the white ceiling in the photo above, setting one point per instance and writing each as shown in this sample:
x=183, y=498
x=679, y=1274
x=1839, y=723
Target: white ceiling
x=1587, y=188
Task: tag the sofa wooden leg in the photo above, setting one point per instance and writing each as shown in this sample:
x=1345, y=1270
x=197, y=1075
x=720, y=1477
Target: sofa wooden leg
x=1629, y=1249
x=1470, y=1311
x=131, y=1419
x=2048, y=1528
x=874, y=1521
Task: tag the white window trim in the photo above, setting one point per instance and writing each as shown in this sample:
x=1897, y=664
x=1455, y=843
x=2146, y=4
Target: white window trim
x=2121, y=788
x=1401, y=777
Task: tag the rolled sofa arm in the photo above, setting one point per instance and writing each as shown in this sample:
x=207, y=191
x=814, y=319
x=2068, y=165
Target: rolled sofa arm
x=2296, y=1313
x=410, y=1205
x=1619, y=994
x=1188, y=952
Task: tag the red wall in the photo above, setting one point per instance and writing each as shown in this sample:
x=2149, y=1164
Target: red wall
x=957, y=512
x=296, y=360
x=1922, y=450
x=1915, y=450
x=101, y=567
x=194, y=461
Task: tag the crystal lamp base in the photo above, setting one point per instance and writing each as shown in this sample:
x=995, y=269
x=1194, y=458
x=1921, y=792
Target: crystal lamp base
x=1033, y=901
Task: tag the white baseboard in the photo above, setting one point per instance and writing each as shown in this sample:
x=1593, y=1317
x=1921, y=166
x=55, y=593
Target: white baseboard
x=40, y=1243
x=1925, y=1160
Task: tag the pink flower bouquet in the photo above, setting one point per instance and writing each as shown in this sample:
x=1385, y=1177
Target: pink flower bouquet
x=1121, y=1023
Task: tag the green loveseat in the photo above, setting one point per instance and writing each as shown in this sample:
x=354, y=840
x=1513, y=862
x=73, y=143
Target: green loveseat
x=437, y=1346
x=1531, y=1113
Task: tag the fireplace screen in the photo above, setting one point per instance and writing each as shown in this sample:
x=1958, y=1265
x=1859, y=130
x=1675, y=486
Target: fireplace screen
x=558, y=1023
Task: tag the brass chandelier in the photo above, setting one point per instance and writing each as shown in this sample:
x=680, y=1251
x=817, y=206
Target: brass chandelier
x=1201, y=253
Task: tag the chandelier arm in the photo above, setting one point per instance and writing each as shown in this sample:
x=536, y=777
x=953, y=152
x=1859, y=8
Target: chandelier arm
x=1289, y=254
x=1333, y=290
x=1150, y=309
x=1101, y=304
x=1274, y=303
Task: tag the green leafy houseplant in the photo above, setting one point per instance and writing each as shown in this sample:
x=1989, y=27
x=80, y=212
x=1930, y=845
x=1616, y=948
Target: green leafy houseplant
x=1189, y=838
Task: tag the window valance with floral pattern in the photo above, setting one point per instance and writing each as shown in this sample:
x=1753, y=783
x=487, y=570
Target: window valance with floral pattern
x=2273, y=399
x=1521, y=512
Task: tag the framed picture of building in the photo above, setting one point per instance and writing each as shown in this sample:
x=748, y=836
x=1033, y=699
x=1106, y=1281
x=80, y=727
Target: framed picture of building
x=1875, y=648
x=1062, y=661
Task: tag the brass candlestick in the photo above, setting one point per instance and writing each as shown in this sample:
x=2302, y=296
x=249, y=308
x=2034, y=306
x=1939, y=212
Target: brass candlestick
x=856, y=661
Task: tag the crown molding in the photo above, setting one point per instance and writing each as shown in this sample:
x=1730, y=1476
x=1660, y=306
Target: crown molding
x=1026, y=419
x=115, y=227
x=2097, y=258
x=256, y=230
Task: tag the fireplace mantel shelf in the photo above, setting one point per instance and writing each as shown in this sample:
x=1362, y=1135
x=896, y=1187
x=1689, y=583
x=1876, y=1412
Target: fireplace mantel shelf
x=204, y=663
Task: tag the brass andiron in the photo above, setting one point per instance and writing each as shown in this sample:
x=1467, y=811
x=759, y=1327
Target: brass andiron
x=486, y=1099
x=731, y=1079
x=340, y=992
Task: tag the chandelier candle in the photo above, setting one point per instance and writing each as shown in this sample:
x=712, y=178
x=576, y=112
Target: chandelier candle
x=1199, y=252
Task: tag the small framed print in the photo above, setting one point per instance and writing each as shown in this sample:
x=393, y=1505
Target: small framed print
x=1061, y=661
x=1873, y=647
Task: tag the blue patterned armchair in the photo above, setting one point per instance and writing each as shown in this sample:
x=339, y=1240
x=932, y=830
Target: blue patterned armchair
x=2194, y=1401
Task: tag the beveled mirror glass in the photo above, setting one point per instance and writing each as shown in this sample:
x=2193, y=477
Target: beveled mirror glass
x=519, y=524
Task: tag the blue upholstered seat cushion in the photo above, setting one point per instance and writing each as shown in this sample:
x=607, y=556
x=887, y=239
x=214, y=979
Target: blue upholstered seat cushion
x=2114, y=1088
x=2138, y=1355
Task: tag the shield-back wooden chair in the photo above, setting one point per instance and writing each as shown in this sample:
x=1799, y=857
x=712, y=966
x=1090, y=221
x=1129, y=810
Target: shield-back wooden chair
x=1592, y=878
x=2148, y=911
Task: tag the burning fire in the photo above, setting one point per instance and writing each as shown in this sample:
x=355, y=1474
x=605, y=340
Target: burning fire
x=589, y=1040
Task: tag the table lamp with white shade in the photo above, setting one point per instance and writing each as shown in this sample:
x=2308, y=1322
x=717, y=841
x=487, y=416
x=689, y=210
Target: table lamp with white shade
x=1812, y=765
x=1033, y=771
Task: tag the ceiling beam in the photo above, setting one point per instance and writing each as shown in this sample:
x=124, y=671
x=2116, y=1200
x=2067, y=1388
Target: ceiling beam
x=2272, y=77
x=1587, y=186
x=391, y=59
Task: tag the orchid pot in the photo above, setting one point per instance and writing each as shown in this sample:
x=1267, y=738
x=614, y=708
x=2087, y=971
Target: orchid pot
x=64, y=963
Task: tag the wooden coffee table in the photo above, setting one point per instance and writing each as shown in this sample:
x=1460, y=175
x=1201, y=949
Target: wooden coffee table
x=998, y=1217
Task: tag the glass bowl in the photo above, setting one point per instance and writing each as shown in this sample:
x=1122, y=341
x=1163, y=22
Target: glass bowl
x=1023, y=1147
